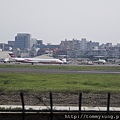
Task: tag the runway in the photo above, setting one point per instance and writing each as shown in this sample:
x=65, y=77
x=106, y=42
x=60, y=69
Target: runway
x=55, y=71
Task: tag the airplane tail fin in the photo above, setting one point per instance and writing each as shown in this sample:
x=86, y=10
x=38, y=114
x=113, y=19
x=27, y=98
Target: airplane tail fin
x=12, y=55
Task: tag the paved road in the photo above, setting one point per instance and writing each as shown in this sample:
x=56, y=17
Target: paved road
x=28, y=70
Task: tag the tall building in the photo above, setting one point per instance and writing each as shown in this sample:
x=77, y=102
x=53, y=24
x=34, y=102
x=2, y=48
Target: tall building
x=22, y=41
x=69, y=44
x=92, y=45
x=66, y=45
x=83, y=44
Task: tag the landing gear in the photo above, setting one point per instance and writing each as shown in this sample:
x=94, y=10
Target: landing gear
x=31, y=63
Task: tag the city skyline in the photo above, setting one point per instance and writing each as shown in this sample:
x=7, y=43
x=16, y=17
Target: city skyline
x=57, y=20
x=72, y=39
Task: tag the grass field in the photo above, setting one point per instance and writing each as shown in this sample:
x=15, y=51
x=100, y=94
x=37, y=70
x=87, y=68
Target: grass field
x=35, y=82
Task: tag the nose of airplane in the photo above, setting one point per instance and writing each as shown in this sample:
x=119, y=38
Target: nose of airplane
x=61, y=62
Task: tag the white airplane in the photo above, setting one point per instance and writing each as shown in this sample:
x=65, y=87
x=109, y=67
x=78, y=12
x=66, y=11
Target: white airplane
x=100, y=61
x=35, y=60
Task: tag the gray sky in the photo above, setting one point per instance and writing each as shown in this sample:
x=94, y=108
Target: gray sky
x=56, y=20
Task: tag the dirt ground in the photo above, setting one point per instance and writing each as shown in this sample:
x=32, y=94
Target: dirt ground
x=61, y=99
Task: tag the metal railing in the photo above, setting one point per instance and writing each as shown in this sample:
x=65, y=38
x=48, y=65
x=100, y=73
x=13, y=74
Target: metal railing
x=53, y=114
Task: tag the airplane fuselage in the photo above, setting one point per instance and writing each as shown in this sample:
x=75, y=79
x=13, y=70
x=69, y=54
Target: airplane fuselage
x=36, y=60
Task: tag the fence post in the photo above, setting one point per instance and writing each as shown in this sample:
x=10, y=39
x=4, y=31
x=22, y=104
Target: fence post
x=80, y=104
x=23, y=105
x=108, y=103
x=51, y=107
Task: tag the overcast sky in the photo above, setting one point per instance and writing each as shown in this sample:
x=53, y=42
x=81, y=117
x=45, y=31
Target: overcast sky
x=56, y=20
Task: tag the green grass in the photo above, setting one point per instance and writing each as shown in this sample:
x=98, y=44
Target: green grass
x=35, y=82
